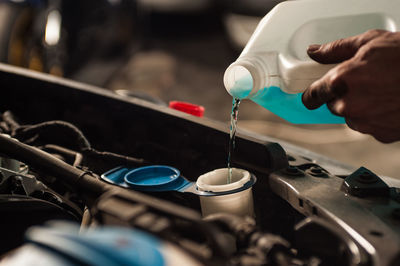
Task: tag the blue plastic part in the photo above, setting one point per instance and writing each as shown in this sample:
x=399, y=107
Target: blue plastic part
x=103, y=246
x=151, y=176
x=116, y=176
x=120, y=176
x=178, y=185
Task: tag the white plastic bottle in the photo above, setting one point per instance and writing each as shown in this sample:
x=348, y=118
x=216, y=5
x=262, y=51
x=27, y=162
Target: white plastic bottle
x=274, y=68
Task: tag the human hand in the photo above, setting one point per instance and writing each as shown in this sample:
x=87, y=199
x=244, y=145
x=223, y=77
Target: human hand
x=365, y=87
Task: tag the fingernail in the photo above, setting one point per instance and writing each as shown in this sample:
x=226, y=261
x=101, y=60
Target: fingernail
x=313, y=48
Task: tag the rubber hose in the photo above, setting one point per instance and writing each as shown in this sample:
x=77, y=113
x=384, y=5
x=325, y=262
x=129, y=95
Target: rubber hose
x=47, y=163
x=30, y=130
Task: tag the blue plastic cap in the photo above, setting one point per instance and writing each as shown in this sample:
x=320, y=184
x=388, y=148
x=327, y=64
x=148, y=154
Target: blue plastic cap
x=151, y=176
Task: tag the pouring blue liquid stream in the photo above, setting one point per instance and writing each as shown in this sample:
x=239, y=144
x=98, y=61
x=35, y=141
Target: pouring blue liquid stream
x=231, y=147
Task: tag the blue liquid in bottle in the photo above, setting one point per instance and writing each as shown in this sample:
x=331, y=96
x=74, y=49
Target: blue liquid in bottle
x=286, y=105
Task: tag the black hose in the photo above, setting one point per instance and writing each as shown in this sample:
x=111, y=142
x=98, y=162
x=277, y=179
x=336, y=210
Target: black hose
x=64, y=152
x=47, y=163
x=29, y=131
x=113, y=157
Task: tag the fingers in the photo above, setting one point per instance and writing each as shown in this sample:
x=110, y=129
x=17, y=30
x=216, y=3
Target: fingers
x=317, y=94
x=353, y=72
x=352, y=89
x=343, y=49
x=334, y=52
x=325, y=90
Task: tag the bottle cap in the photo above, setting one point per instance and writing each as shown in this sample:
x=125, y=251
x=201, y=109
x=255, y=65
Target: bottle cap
x=155, y=176
x=193, y=109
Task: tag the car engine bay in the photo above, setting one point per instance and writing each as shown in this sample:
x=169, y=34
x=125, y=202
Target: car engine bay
x=58, y=137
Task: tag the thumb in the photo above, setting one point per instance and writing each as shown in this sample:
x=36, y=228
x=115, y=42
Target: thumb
x=343, y=49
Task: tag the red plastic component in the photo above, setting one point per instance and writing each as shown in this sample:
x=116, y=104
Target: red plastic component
x=193, y=109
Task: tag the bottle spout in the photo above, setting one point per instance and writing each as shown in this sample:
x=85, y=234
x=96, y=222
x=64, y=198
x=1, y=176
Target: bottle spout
x=246, y=76
x=238, y=81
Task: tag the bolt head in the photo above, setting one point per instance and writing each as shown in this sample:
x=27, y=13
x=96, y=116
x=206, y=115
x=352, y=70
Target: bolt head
x=316, y=170
x=366, y=178
x=293, y=171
